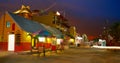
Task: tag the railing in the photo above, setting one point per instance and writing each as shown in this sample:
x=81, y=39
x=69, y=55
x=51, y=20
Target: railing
x=43, y=50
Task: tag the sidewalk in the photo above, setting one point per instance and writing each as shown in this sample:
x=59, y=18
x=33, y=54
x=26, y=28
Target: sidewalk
x=5, y=53
x=48, y=53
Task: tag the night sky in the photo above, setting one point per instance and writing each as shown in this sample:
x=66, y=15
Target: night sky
x=89, y=16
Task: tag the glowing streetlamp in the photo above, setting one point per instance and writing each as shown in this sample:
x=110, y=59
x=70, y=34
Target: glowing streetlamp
x=57, y=13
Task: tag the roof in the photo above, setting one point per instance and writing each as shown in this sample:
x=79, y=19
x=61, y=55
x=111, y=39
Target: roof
x=54, y=31
x=25, y=24
x=24, y=9
x=45, y=33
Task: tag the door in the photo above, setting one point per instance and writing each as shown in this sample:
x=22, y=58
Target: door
x=11, y=42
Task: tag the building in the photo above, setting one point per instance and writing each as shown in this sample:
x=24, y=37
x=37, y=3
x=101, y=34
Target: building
x=24, y=11
x=53, y=19
x=19, y=34
x=56, y=20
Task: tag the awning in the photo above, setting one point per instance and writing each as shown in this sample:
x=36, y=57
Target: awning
x=44, y=33
x=54, y=31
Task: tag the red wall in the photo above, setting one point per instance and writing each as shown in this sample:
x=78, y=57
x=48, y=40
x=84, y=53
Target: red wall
x=3, y=46
x=24, y=46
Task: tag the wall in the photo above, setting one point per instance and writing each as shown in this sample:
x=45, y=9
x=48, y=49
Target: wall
x=25, y=42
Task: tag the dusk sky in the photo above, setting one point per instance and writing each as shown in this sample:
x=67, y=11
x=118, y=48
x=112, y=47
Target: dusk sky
x=89, y=16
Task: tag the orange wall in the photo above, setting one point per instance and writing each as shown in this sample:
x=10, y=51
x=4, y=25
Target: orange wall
x=7, y=30
x=24, y=36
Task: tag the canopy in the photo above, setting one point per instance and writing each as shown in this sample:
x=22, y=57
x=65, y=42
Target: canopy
x=54, y=31
x=44, y=33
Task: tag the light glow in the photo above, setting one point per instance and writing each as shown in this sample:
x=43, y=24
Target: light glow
x=106, y=47
x=71, y=40
x=57, y=13
x=79, y=38
x=48, y=40
x=100, y=40
x=41, y=39
x=59, y=41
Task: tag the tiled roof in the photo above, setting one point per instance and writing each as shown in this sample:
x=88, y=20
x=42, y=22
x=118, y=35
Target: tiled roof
x=25, y=24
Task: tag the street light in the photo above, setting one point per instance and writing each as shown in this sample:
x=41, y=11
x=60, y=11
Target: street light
x=57, y=13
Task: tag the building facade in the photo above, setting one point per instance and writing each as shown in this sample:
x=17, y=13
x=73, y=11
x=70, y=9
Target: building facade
x=18, y=30
x=18, y=33
x=50, y=18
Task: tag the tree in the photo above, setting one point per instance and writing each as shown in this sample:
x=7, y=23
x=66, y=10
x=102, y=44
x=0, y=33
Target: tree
x=115, y=31
x=85, y=38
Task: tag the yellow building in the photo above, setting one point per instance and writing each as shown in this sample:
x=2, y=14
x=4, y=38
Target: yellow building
x=72, y=30
x=52, y=18
x=15, y=32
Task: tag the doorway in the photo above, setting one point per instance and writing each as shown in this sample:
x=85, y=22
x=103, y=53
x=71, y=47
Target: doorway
x=11, y=42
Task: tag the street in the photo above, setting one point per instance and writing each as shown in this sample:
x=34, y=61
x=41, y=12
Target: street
x=72, y=55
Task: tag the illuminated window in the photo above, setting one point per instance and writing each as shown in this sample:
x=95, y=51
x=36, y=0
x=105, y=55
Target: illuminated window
x=7, y=24
x=41, y=39
x=54, y=19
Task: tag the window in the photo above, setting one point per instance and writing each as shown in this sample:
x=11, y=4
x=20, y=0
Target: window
x=13, y=26
x=54, y=19
x=18, y=39
x=7, y=24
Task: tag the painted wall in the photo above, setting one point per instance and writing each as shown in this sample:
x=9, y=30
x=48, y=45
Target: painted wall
x=8, y=26
x=46, y=19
